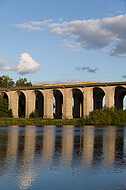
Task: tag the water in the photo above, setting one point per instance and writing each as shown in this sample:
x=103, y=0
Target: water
x=66, y=158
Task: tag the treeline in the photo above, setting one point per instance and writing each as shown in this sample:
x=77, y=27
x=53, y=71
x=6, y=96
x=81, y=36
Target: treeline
x=7, y=82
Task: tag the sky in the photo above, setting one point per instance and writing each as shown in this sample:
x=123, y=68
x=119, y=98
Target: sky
x=58, y=41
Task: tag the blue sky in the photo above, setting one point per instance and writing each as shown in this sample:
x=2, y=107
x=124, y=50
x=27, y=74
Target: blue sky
x=63, y=40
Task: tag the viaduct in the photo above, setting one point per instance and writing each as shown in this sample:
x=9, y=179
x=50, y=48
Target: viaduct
x=64, y=100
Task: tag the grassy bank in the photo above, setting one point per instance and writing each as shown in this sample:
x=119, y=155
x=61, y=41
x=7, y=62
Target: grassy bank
x=37, y=121
x=107, y=116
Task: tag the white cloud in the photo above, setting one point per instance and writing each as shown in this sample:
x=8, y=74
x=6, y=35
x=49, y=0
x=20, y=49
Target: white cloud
x=34, y=25
x=60, y=81
x=27, y=64
x=4, y=66
x=95, y=34
x=28, y=27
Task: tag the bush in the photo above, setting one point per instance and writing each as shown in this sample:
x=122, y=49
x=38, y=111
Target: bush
x=107, y=116
x=34, y=114
x=10, y=113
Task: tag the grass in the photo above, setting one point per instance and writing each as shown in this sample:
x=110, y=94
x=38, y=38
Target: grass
x=36, y=121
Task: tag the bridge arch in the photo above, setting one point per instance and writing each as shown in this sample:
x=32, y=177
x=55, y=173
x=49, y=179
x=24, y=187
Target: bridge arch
x=21, y=104
x=120, y=93
x=98, y=95
x=77, y=103
x=58, y=104
x=39, y=103
x=5, y=96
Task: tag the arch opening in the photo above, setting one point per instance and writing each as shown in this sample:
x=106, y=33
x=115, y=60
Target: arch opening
x=98, y=98
x=77, y=103
x=5, y=96
x=57, y=104
x=120, y=97
x=21, y=105
x=39, y=104
x=124, y=103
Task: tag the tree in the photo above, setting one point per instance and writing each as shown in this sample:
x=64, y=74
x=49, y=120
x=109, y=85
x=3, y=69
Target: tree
x=4, y=112
x=6, y=82
x=22, y=82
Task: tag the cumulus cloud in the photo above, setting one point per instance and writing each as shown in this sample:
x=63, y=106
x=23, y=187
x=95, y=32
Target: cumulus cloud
x=94, y=34
x=27, y=64
x=88, y=69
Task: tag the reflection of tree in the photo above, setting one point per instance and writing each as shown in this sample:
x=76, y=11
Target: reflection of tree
x=3, y=151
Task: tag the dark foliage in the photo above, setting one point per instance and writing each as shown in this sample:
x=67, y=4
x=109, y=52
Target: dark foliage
x=4, y=112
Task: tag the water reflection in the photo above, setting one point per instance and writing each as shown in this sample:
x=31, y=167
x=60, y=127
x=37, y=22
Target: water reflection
x=27, y=171
x=109, y=145
x=12, y=145
x=30, y=151
x=48, y=144
x=67, y=145
x=88, y=145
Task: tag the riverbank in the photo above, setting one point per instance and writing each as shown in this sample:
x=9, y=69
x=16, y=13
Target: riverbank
x=37, y=121
x=107, y=116
x=57, y=122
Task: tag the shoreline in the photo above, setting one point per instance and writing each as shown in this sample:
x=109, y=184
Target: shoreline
x=58, y=122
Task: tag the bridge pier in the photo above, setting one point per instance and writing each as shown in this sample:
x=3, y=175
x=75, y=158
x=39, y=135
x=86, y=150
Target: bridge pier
x=14, y=103
x=48, y=104
x=109, y=96
x=88, y=101
x=67, y=104
x=30, y=103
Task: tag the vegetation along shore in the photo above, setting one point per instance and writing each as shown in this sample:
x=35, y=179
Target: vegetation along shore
x=107, y=116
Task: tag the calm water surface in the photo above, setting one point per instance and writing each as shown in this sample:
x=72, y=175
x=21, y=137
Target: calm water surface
x=65, y=157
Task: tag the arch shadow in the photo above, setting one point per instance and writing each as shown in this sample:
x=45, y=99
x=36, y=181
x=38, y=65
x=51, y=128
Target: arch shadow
x=120, y=93
x=58, y=104
x=98, y=95
x=39, y=103
x=21, y=105
x=77, y=103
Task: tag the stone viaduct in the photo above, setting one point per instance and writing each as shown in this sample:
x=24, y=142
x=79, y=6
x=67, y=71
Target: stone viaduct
x=64, y=100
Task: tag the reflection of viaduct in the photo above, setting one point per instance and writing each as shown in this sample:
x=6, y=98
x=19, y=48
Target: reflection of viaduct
x=65, y=100
x=25, y=150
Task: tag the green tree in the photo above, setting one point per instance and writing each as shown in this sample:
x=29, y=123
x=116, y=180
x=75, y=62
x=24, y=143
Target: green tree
x=4, y=112
x=6, y=82
x=22, y=82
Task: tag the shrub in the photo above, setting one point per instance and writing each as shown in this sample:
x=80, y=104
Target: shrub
x=34, y=114
x=10, y=113
x=108, y=116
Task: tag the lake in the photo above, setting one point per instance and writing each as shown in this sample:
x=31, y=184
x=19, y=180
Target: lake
x=63, y=157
